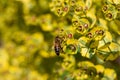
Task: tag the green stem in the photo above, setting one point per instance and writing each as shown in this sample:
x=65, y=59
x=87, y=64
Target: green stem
x=109, y=50
x=88, y=47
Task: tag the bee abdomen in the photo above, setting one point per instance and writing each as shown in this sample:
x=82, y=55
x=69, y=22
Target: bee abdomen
x=57, y=51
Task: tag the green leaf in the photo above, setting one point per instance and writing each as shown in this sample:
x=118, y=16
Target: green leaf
x=114, y=47
x=87, y=52
x=104, y=45
x=88, y=3
x=94, y=44
x=106, y=40
x=83, y=41
x=113, y=56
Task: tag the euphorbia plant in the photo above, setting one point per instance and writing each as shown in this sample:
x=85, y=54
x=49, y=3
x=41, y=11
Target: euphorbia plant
x=88, y=35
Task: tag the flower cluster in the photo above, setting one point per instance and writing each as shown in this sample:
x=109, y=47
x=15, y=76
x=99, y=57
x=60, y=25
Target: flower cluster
x=87, y=35
x=111, y=10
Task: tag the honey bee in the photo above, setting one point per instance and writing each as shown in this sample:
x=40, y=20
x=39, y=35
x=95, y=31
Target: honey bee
x=57, y=45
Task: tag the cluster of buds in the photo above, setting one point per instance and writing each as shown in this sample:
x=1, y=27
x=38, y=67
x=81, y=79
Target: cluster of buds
x=82, y=25
x=111, y=10
x=62, y=7
x=86, y=34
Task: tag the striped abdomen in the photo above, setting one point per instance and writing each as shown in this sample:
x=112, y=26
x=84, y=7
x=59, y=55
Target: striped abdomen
x=57, y=49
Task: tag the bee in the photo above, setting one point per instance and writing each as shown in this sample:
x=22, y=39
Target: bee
x=57, y=45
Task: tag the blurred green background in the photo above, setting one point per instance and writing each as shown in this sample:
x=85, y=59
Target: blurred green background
x=26, y=40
